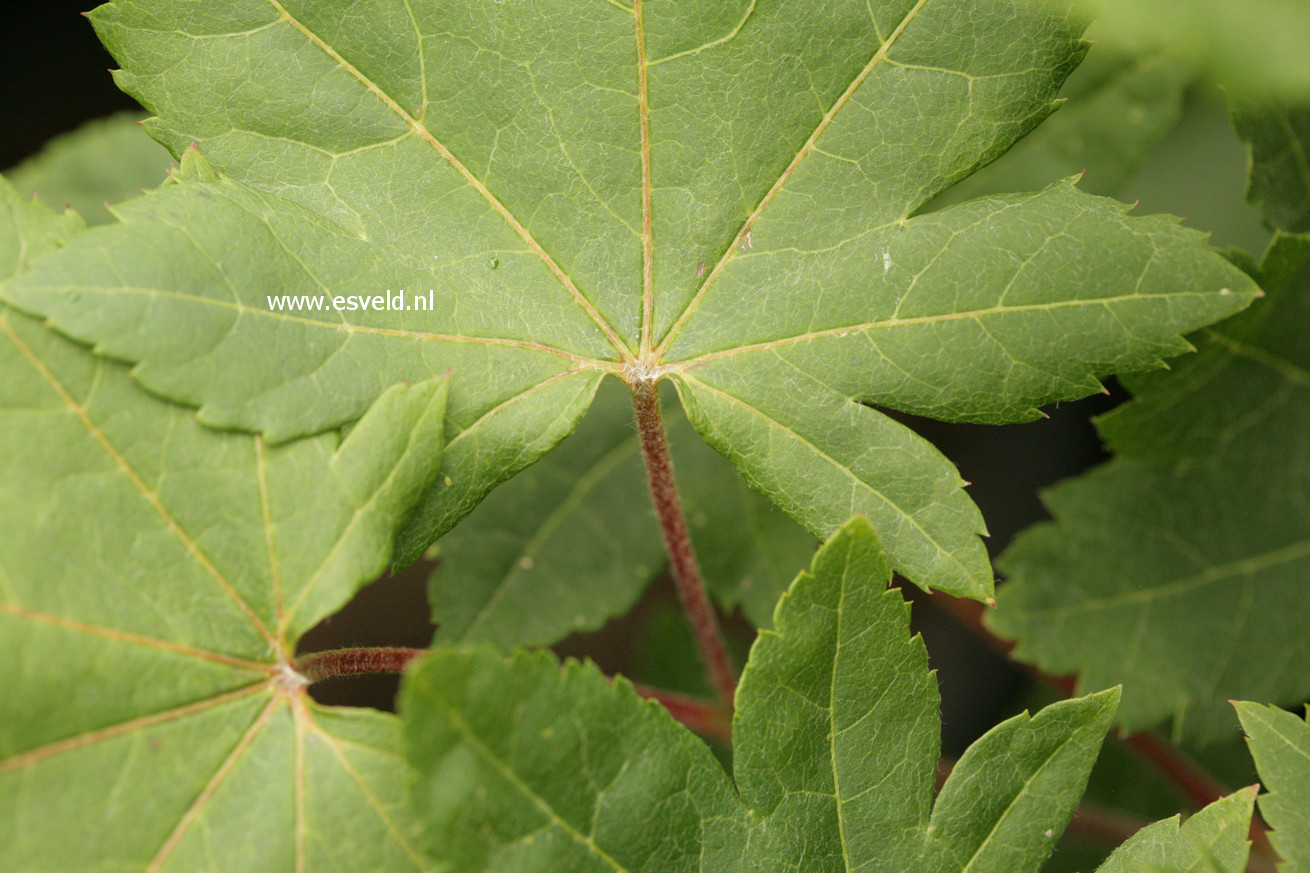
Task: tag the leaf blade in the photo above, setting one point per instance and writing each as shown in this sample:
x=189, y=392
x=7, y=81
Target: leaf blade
x=147, y=594
x=521, y=763
x=1159, y=521
x=100, y=163
x=558, y=199
x=1280, y=745
x=1026, y=775
x=1213, y=839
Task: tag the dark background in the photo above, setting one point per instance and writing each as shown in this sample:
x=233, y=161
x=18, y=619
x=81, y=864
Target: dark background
x=55, y=75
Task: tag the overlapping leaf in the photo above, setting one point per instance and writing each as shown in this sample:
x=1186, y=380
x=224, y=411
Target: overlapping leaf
x=1279, y=141
x=1120, y=106
x=522, y=765
x=1255, y=48
x=572, y=541
x=1280, y=744
x=102, y=162
x=1179, y=568
x=718, y=194
x=154, y=578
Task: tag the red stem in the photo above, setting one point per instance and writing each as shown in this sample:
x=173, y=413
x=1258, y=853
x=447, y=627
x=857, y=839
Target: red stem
x=682, y=557
x=702, y=716
x=318, y=666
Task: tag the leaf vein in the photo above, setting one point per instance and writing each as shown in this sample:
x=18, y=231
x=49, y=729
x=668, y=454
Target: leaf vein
x=137, y=482
x=369, y=796
x=41, y=753
x=787, y=174
x=700, y=360
x=840, y=467
x=18, y=611
x=466, y=731
x=197, y=806
x=581, y=299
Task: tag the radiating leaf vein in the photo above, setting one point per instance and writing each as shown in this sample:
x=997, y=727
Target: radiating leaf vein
x=787, y=173
x=619, y=345
x=197, y=806
x=131, y=475
x=846, y=471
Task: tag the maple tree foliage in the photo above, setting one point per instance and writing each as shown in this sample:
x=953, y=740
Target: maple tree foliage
x=773, y=270
x=1178, y=568
x=775, y=210
x=156, y=578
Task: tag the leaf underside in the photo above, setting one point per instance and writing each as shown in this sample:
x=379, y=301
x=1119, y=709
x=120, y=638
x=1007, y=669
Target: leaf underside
x=572, y=542
x=522, y=765
x=1120, y=106
x=722, y=195
x=154, y=578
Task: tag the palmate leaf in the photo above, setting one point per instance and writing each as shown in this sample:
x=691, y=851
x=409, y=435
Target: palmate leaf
x=1280, y=744
x=572, y=541
x=101, y=162
x=721, y=195
x=524, y=766
x=1179, y=568
x=154, y=578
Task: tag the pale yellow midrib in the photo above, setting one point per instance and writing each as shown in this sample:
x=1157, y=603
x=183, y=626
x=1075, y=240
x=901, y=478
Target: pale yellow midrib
x=804, y=152
x=920, y=321
x=473, y=181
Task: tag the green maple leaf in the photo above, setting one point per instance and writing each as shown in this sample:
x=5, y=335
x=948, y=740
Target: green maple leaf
x=572, y=542
x=154, y=578
x=525, y=766
x=100, y=163
x=1178, y=568
x=1280, y=744
x=718, y=195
